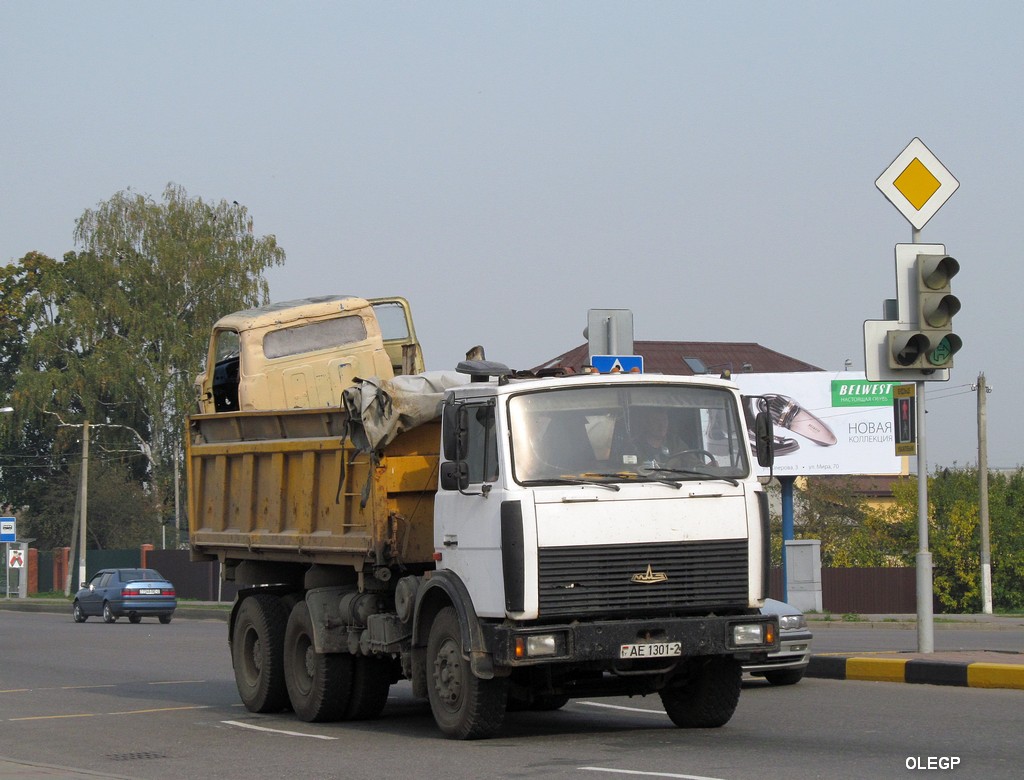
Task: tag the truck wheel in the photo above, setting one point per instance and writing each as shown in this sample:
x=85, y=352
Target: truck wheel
x=785, y=676
x=318, y=684
x=464, y=706
x=257, y=654
x=371, y=681
x=708, y=698
x=549, y=703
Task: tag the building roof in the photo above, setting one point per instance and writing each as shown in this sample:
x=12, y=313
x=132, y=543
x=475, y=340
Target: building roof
x=668, y=357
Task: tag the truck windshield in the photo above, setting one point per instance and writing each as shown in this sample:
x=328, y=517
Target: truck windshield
x=627, y=433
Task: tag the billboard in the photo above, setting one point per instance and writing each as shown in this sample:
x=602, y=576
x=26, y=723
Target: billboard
x=827, y=422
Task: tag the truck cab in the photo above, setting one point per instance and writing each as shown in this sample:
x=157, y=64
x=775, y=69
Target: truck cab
x=302, y=354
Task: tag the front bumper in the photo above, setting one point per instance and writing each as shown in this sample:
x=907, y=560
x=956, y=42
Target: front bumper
x=794, y=653
x=600, y=641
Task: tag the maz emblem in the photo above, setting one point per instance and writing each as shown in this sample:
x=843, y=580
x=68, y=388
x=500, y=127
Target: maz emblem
x=649, y=577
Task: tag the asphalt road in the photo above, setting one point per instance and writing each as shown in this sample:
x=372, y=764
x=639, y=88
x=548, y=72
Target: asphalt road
x=152, y=701
x=836, y=637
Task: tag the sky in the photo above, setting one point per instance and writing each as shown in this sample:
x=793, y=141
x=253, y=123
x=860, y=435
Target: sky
x=508, y=166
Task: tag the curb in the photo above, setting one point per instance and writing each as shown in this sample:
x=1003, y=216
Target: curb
x=54, y=606
x=917, y=671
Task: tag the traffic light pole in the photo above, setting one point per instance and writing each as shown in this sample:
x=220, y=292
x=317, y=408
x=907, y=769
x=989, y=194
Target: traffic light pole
x=925, y=613
x=925, y=621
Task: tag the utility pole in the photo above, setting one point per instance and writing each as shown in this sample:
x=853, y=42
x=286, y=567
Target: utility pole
x=986, y=551
x=84, y=501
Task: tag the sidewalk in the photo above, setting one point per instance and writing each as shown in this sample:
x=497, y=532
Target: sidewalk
x=970, y=668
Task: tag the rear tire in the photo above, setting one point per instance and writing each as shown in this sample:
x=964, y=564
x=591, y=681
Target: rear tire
x=371, y=681
x=464, y=706
x=108, y=613
x=134, y=619
x=257, y=653
x=165, y=619
x=708, y=698
x=318, y=684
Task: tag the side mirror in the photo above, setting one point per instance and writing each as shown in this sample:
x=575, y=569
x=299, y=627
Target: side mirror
x=454, y=475
x=764, y=438
x=454, y=431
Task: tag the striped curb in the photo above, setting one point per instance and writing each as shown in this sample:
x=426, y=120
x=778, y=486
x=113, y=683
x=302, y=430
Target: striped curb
x=915, y=670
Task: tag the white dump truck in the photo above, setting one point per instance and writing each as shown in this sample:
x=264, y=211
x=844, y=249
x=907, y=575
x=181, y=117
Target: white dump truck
x=504, y=541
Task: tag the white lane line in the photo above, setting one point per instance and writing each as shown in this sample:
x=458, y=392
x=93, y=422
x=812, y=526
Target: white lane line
x=645, y=774
x=618, y=707
x=275, y=731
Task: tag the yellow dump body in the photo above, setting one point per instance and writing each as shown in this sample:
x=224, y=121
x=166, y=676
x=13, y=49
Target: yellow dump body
x=284, y=486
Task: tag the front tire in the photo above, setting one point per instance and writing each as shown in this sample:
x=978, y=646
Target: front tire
x=785, y=676
x=257, y=653
x=108, y=613
x=318, y=684
x=464, y=706
x=708, y=698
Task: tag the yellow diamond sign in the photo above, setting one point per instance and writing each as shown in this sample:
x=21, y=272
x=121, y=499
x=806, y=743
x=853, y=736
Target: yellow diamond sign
x=917, y=184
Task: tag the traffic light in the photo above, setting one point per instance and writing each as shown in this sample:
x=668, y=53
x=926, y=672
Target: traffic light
x=923, y=339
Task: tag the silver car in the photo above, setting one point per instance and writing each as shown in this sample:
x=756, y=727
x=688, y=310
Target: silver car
x=786, y=666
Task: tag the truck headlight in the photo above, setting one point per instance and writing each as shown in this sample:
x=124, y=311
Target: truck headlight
x=750, y=634
x=538, y=645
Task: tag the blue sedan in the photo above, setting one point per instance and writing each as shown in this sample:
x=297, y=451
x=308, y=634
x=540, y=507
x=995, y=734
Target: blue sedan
x=114, y=593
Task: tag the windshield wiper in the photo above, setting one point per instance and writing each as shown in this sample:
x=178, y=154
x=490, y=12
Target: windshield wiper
x=632, y=476
x=572, y=481
x=694, y=473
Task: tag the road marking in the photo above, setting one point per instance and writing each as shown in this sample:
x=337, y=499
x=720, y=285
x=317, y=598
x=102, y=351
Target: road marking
x=618, y=707
x=645, y=774
x=123, y=712
x=161, y=709
x=275, y=731
x=177, y=682
x=57, y=717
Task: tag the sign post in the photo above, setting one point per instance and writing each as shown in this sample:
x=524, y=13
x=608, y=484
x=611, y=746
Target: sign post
x=917, y=184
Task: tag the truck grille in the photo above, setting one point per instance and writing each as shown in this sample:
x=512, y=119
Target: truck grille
x=642, y=578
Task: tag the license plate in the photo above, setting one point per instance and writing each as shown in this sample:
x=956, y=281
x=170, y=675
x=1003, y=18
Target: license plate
x=149, y=591
x=651, y=650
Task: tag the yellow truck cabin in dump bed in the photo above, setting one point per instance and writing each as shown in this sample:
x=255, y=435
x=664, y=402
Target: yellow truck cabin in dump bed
x=302, y=354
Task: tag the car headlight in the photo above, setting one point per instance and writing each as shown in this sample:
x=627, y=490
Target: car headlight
x=789, y=622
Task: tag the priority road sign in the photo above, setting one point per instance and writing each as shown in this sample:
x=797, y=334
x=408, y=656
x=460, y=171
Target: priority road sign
x=917, y=184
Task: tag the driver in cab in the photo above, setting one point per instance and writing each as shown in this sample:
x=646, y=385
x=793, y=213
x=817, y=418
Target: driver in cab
x=654, y=445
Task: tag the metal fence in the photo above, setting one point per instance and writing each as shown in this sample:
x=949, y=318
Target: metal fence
x=866, y=591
